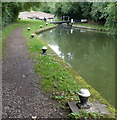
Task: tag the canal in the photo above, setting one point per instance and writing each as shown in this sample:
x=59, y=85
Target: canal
x=90, y=53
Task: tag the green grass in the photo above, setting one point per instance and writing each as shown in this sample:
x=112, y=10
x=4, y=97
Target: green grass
x=99, y=27
x=58, y=78
x=6, y=31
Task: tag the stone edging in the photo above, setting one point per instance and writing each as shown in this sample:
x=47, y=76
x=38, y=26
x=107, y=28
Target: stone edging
x=45, y=29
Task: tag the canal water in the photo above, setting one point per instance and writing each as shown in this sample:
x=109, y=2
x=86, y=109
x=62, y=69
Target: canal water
x=90, y=53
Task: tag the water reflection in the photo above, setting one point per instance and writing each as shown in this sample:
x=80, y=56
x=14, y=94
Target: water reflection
x=40, y=35
x=72, y=31
x=82, y=30
x=50, y=31
x=91, y=54
x=56, y=50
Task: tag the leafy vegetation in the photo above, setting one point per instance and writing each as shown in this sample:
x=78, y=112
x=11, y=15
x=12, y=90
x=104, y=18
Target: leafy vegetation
x=10, y=12
x=84, y=115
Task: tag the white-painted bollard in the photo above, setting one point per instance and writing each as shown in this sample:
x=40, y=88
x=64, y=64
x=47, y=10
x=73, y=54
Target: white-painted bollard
x=83, y=20
x=32, y=35
x=34, y=117
x=84, y=94
x=71, y=31
x=72, y=21
x=41, y=26
x=44, y=48
x=28, y=28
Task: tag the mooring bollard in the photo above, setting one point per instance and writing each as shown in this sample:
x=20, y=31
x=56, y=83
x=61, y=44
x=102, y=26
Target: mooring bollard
x=40, y=26
x=71, y=31
x=44, y=49
x=72, y=21
x=34, y=117
x=28, y=28
x=32, y=35
x=83, y=20
x=84, y=94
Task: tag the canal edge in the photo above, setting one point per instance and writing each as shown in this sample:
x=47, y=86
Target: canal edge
x=76, y=76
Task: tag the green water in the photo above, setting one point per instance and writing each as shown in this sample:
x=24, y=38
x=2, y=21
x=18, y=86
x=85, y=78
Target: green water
x=91, y=54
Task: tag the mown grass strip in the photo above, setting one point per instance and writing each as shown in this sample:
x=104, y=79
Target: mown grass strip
x=58, y=78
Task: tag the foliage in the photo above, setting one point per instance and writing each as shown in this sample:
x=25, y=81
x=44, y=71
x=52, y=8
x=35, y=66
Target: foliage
x=30, y=6
x=45, y=7
x=85, y=115
x=111, y=20
x=105, y=12
x=86, y=9
x=10, y=12
x=98, y=11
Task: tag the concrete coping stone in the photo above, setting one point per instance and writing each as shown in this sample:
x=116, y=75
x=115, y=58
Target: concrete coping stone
x=95, y=107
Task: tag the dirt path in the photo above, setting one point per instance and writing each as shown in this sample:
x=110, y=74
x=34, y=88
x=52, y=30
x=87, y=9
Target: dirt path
x=22, y=97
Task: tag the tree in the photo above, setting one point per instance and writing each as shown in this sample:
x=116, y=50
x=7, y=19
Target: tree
x=98, y=11
x=86, y=8
x=111, y=17
x=10, y=10
x=45, y=7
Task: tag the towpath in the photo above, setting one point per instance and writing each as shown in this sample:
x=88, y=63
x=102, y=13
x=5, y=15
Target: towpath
x=22, y=97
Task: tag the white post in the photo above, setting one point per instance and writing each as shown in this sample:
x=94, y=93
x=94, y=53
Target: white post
x=72, y=20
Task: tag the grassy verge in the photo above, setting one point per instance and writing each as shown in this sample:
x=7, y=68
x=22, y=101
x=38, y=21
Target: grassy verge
x=94, y=27
x=6, y=31
x=58, y=78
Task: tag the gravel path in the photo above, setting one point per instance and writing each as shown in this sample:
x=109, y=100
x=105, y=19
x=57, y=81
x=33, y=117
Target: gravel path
x=22, y=97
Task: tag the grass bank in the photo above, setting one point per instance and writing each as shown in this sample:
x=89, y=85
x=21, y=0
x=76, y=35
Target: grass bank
x=100, y=28
x=58, y=78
